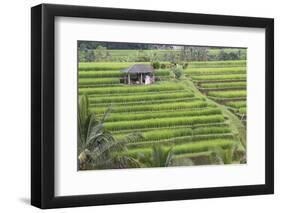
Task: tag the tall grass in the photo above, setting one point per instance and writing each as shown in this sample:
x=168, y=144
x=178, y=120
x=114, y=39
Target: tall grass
x=219, y=70
x=152, y=107
x=223, y=85
x=220, y=77
x=162, y=114
x=165, y=134
x=100, y=74
x=160, y=134
x=162, y=122
x=193, y=126
x=146, y=102
x=86, y=66
x=132, y=89
x=211, y=130
x=238, y=63
x=228, y=94
x=114, y=73
x=98, y=81
x=141, y=97
x=199, y=146
x=182, y=140
x=162, y=73
x=202, y=146
x=243, y=110
x=136, y=93
x=236, y=104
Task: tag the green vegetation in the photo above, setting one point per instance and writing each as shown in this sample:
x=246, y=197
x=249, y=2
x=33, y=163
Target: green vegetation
x=207, y=64
x=193, y=114
x=141, y=97
x=151, y=53
x=222, y=85
x=195, y=147
x=128, y=89
x=220, y=77
x=159, y=157
x=236, y=104
x=97, y=81
x=152, y=107
x=178, y=72
x=163, y=122
x=96, y=145
x=158, y=135
x=222, y=81
x=242, y=110
x=163, y=114
x=97, y=66
x=229, y=94
x=220, y=70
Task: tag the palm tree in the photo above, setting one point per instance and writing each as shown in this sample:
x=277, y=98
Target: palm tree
x=97, y=147
x=160, y=157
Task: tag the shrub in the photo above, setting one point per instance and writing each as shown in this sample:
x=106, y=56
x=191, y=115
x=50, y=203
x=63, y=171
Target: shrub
x=178, y=72
x=185, y=65
x=163, y=66
x=155, y=65
x=243, y=110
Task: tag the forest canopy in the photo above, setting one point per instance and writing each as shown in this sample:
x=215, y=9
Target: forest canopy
x=91, y=51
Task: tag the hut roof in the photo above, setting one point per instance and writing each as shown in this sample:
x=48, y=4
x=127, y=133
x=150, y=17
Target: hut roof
x=139, y=68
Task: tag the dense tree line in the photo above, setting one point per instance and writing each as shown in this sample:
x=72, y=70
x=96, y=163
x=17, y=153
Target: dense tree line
x=100, y=51
x=90, y=45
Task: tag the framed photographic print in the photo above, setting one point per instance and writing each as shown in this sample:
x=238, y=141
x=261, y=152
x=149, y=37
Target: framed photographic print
x=140, y=106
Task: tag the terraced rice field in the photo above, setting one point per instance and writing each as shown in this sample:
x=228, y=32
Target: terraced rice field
x=168, y=112
x=223, y=82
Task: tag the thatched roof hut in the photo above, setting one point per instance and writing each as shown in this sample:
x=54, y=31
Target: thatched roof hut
x=139, y=68
x=143, y=73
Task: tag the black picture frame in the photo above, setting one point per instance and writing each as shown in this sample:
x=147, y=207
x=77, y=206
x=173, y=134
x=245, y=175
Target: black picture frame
x=43, y=102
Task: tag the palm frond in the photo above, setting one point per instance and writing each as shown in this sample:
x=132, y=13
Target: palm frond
x=83, y=118
x=97, y=147
x=133, y=137
x=169, y=154
x=93, y=122
x=222, y=156
x=106, y=114
x=160, y=157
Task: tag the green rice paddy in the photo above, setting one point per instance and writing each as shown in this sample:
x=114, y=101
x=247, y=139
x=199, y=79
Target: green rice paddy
x=169, y=112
